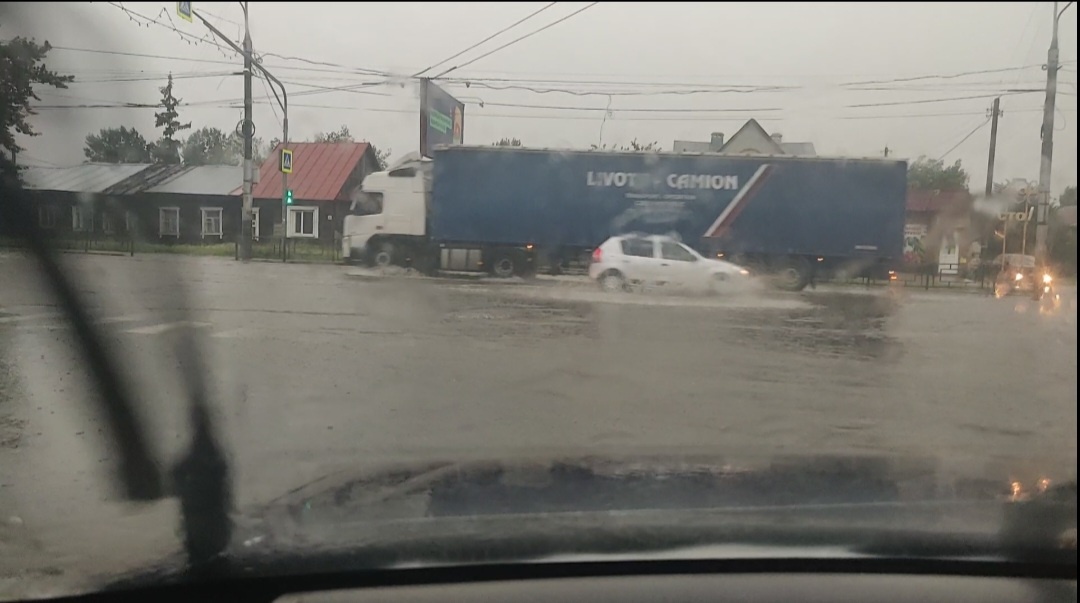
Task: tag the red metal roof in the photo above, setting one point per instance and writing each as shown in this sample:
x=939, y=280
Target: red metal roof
x=320, y=171
x=937, y=201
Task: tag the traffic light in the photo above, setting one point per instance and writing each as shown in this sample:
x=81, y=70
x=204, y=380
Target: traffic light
x=288, y=196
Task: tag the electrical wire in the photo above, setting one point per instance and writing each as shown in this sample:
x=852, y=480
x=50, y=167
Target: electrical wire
x=481, y=42
x=518, y=39
x=964, y=139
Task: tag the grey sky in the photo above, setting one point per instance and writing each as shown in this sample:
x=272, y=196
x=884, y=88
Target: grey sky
x=813, y=49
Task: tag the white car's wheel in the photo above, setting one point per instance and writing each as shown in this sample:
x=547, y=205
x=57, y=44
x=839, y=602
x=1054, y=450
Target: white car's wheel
x=612, y=281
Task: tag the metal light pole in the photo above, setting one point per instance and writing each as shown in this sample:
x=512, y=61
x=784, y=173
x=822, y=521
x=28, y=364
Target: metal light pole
x=1046, y=161
x=249, y=130
x=246, y=215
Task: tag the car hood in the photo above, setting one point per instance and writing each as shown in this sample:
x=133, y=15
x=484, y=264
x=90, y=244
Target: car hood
x=588, y=508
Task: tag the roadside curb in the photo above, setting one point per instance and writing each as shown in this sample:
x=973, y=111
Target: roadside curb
x=461, y=278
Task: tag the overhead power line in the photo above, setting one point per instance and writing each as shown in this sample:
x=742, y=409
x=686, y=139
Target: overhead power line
x=964, y=139
x=481, y=42
x=938, y=100
x=519, y=39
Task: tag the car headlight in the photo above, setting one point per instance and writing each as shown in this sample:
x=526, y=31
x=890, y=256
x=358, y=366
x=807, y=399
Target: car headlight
x=744, y=272
x=1047, y=279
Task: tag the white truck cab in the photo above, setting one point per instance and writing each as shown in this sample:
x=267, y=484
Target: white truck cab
x=390, y=210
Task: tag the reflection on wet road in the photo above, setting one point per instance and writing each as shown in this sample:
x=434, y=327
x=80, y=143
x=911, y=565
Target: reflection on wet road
x=313, y=371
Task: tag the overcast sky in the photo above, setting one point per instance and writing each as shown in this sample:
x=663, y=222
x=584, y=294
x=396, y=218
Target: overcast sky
x=612, y=73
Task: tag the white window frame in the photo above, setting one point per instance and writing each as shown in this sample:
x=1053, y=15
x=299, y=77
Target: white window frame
x=293, y=224
x=108, y=223
x=162, y=211
x=255, y=223
x=82, y=220
x=205, y=212
x=47, y=216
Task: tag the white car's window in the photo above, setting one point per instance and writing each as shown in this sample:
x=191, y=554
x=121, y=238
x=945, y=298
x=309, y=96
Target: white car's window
x=638, y=247
x=676, y=252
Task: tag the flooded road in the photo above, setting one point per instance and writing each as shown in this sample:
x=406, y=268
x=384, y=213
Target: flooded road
x=312, y=371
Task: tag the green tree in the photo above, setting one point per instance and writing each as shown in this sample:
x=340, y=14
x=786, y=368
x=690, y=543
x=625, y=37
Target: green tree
x=211, y=146
x=22, y=67
x=1068, y=197
x=382, y=158
x=932, y=175
x=117, y=145
x=508, y=142
x=342, y=134
x=634, y=146
x=167, y=148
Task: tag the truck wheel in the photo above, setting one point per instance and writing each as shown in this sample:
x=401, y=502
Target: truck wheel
x=612, y=281
x=504, y=265
x=793, y=275
x=384, y=256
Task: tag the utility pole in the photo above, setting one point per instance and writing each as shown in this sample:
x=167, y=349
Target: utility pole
x=1046, y=160
x=245, y=220
x=995, y=112
x=249, y=126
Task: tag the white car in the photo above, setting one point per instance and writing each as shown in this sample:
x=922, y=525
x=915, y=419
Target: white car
x=627, y=260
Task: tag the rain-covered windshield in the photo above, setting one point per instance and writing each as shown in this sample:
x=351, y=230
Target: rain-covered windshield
x=293, y=286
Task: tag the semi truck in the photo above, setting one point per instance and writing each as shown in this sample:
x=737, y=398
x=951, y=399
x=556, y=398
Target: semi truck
x=513, y=211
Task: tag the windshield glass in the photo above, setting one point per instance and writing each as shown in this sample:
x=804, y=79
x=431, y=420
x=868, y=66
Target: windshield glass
x=389, y=292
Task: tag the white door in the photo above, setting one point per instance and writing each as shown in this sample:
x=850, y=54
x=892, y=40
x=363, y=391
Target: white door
x=638, y=260
x=678, y=266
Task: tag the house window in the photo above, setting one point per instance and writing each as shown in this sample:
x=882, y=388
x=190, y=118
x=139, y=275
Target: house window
x=81, y=219
x=131, y=222
x=211, y=221
x=303, y=222
x=47, y=216
x=108, y=223
x=169, y=222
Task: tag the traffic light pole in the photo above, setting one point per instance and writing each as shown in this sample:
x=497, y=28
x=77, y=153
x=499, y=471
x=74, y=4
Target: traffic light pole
x=284, y=184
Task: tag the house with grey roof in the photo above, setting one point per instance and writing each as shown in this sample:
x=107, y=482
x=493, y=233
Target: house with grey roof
x=751, y=139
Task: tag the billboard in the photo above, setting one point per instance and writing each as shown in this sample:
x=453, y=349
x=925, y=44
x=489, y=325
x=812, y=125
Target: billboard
x=442, y=118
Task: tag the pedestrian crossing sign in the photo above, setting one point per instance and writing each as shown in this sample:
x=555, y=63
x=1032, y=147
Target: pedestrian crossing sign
x=184, y=10
x=286, y=161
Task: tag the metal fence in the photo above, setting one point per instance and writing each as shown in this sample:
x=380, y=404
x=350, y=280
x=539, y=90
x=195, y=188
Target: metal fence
x=268, y=249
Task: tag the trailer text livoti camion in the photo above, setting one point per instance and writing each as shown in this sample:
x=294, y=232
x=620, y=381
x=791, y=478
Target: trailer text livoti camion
x=512, y=211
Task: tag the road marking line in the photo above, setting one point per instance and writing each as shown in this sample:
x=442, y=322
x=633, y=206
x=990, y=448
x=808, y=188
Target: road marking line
x=164, y=327
x=22, y=317
x=232, y=333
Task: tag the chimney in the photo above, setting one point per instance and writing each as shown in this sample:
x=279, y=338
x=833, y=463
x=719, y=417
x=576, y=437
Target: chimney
x=716, y=141
x=778, y=137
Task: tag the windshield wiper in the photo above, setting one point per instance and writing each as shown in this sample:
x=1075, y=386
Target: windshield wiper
x=201, y=479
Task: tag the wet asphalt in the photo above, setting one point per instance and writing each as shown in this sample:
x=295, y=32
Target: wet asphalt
x=311, y=370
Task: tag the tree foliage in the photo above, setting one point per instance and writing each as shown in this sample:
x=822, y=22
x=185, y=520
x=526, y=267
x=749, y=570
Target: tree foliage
x=211, y=146
x=117, y=145
x=382, y=158
x=167, y=148
x=1068, y=197
x=932, y=175
x=22, y=67
x=634, y=147
x=508, y=142
x=342, y=134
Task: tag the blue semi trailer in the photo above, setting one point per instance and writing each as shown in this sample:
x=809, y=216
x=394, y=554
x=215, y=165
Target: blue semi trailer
x=513, y=210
